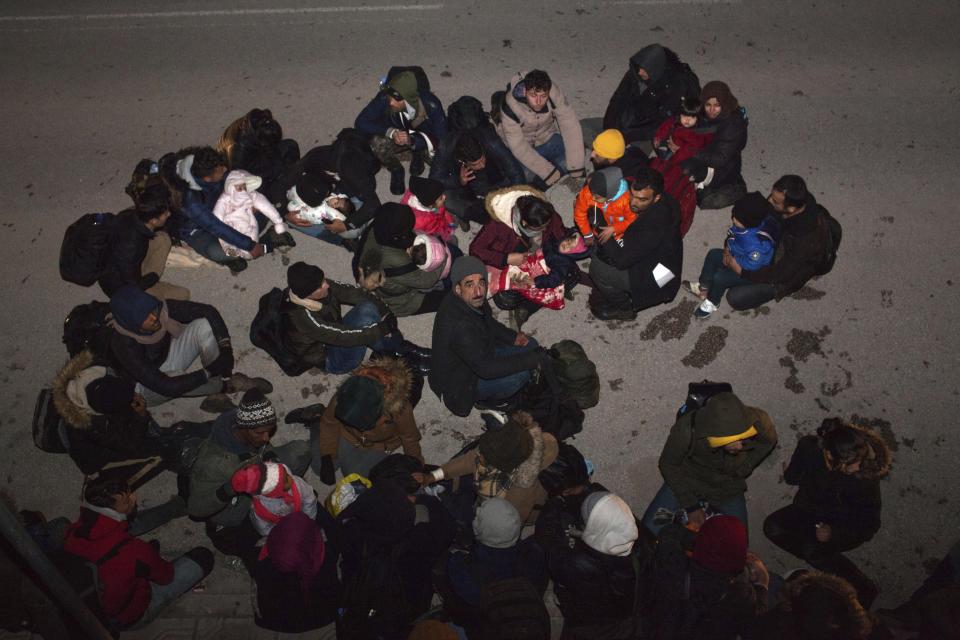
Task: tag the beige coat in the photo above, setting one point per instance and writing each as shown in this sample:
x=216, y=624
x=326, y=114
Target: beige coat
x=534, y=129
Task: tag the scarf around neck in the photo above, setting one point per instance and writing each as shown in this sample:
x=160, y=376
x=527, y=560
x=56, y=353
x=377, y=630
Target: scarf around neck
x=534, y=239
x=167, y=325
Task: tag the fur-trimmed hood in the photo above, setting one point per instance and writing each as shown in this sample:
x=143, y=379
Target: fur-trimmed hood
x=500, y=203
x=526, y=474
x=395, y=377
x=878, y=464
x=69, y=389
x=856, y=623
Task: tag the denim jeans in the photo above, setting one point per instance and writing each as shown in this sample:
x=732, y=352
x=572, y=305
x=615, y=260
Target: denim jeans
x=346, y=359
x=196, y=341
x=553, y=151
x=500, y=388
x=207, y=245
x=716, y=278
x=750, y=296
x=665, y=499
x=186, y=573
x=320, y=232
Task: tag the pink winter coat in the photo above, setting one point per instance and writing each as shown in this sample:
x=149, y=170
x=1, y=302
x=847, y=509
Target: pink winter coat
x=437, y=222
x=236, y=208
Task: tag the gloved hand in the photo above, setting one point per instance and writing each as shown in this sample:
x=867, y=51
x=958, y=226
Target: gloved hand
x=223, y=365
x=696, y=169
x=389, y=324
x=327, y=475
x=225, y=492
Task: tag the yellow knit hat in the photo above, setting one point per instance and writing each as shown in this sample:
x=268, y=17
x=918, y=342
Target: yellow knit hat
x=610, y=144
x=720, y=441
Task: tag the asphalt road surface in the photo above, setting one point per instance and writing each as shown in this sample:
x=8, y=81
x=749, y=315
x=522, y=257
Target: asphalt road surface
x=858, y=98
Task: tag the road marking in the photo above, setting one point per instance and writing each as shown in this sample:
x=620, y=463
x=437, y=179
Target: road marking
x=221, y=12
x=641, y=2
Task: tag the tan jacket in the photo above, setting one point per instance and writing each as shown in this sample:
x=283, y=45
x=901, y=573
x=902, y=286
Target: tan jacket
x=523, y=498
x=534, y=129
x=396, y=427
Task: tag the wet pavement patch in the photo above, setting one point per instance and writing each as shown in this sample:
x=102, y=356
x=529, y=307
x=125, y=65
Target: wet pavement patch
x=710, y=343
x=803, y=343
x=672, y=324
x=792, y=382
x=836, y=387
x=615, y=385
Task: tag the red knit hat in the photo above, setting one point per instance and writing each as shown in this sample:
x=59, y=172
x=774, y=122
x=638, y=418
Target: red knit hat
x=721, y=545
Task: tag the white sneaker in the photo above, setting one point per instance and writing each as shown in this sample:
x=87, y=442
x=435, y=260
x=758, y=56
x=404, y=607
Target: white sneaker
x=704, y=310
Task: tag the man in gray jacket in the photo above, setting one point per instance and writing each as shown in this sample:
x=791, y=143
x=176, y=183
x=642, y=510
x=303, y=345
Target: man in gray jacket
x=239, y=437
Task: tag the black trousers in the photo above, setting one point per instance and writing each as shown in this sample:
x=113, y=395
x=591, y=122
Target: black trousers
x=794, y=530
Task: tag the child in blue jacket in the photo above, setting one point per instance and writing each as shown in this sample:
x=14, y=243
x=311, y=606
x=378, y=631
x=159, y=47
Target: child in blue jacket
x=751, y=241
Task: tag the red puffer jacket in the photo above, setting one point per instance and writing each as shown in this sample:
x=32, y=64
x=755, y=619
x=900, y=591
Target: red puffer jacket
x=125, y=577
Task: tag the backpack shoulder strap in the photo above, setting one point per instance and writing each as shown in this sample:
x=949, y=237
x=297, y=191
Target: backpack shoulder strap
x=113, y=551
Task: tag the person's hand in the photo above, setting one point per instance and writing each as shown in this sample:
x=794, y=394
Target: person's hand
x=294, y=218
x=673, y=146
x=327, y=475
x=605, y=234
x=757, y=570
x=466, y=175
x=515, y=259
x=521, y=281
x=730, y=262
x=824, y=532
x=401, y=138
x=257, y=251
x=521, y=340
x=139, y=405
x=223, y=365
x=335, y=226
x=696, y=518
x=423, y=479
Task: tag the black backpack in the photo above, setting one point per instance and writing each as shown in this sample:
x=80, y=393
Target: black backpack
x=513, y=609
x=49, y=430
x=375, y=606
x=466, y=113
x=834, y=234
x=267, y=333
x=85, y=327
x=83, y=252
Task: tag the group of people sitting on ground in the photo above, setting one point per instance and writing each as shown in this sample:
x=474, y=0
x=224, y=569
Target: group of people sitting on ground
x=518, y=508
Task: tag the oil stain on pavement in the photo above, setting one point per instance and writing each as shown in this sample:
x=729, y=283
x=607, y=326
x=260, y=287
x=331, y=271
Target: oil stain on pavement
x=672, y=324
x=710, y=343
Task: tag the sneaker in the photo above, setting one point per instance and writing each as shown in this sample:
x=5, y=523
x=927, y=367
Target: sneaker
x=217, y=403
x=304, y=415
x=398, y=182
x=417, y=166
x=284, y=240
x=694, y=288
x=704, y=310
x=239, y=382
x=236, y=265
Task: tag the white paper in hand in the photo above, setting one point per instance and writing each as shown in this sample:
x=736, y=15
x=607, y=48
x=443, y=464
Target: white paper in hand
x=662, y=275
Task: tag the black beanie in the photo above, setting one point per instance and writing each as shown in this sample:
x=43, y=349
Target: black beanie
x=110, y=395
x=426, y=190
x=751, y=209
x=507, y=447
x=304, y=278
x=313, y=189
x=393, y=225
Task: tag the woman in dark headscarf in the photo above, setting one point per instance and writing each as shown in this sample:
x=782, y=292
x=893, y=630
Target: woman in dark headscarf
x=716, y=169
x=296, y=575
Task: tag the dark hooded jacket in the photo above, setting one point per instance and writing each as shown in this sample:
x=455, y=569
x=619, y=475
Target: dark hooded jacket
x=127, y=251
x=464, y=344
x=94, y=439
x=690, y=602
x=377, y=118
x=638, y=107
x=850, y=504
x=349, y=159
x=654, y=237
x=501, y=170
x=696, y=471
x=382, y=526
x=723, y=154
x=590, y=586
x=141, y=362
x=804, y=241
x=254, y=143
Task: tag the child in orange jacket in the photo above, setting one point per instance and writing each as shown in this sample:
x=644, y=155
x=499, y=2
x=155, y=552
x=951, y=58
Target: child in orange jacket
x=603, y=206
